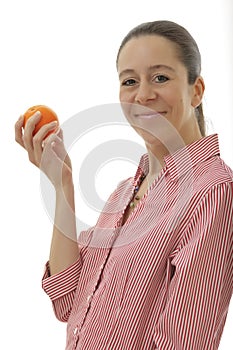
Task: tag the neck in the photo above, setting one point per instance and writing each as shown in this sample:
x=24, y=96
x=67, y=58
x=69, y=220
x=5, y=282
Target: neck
x=156, y=162
x=157, y=151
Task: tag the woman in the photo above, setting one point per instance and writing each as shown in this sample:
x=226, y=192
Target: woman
x=156, y=270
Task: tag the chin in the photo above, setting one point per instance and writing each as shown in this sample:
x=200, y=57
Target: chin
x=148, y=137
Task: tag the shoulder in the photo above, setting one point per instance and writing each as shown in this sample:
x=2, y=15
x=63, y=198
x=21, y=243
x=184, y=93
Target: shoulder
x=211, y=174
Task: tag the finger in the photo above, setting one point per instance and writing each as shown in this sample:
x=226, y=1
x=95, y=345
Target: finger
x=57, y=146
x=51, y=138
x=48, y=155
x=28, y=131
x=19, y=131
x=59, y=133
x=61, y=152
x=38, y=139
x=53, y=141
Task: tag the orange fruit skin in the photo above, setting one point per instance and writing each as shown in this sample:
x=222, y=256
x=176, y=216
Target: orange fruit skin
x=47, y=116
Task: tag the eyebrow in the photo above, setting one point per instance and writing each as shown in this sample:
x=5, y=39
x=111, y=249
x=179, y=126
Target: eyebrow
x=156, y=66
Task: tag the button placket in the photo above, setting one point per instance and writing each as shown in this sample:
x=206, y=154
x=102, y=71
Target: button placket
x=76, y=338
x=89, y=298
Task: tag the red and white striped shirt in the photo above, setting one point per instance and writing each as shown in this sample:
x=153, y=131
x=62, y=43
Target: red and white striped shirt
x=164, y=279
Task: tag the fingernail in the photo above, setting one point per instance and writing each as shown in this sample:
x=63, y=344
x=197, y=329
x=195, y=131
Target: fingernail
x=37, y=113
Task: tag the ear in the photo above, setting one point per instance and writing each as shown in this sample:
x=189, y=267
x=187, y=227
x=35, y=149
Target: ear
x=198, y=91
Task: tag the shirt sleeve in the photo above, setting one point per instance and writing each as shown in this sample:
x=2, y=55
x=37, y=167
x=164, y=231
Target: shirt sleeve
x=61, y=287
x=200, y=290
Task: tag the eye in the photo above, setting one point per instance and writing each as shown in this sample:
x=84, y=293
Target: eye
x=161, y=78
x=129, y=82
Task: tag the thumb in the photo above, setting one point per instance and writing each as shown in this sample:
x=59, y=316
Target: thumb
x=59, y=133
x=58, y=147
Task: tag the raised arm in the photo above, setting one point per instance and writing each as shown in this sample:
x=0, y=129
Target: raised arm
x=50, y=156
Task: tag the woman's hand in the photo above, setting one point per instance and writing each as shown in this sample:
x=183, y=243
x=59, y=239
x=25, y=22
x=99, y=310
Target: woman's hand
x=48, y=154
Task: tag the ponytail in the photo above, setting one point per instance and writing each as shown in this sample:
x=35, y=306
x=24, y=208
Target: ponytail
x=201, y=120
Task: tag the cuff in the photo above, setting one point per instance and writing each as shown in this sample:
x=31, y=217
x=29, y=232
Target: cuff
x=62, y=283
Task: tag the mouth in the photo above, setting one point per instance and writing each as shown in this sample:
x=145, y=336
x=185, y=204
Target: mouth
x=149, y=115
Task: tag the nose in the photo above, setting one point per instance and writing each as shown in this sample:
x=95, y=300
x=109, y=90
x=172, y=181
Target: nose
x=145, y=93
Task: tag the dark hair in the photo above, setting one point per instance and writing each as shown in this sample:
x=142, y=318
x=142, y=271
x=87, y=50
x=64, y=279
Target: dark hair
x=187, y=51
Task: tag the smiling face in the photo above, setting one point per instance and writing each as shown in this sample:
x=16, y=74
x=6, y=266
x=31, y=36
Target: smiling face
x=152, y=76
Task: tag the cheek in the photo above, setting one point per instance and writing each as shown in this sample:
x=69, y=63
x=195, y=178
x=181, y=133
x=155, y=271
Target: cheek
x=125, y=96
x=171, y=97
x=174, y=100
x=120, y=95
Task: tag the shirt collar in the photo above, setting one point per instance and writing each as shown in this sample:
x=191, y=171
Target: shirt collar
x=186, y=158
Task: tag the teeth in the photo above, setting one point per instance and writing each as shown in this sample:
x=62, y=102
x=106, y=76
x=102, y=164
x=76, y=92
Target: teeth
x=146, y=116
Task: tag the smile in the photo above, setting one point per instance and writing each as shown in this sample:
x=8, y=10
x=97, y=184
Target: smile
x=149, y=115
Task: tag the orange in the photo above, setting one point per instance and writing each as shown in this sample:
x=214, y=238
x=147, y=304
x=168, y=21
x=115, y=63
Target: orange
x=47, y=116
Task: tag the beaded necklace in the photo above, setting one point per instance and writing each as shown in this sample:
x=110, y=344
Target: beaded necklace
x=136, y=189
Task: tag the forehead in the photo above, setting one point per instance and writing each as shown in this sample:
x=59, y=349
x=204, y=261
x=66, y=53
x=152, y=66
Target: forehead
x=148, y=50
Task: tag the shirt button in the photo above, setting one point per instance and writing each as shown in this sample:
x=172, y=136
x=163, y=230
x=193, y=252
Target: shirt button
x=75, y=330
x=89, y=298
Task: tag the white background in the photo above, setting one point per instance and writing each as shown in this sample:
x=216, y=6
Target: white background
x=62, y=54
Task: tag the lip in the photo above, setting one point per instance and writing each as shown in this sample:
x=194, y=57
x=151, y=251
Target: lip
x=148, y=115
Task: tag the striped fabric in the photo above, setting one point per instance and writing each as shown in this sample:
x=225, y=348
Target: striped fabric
x=164, y=279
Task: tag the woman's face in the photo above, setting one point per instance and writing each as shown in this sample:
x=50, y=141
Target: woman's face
x=152, y=76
